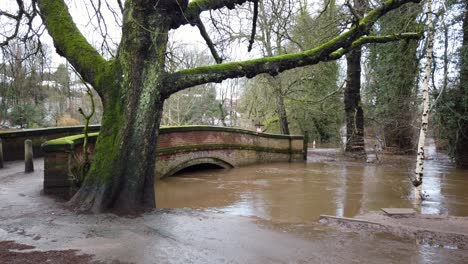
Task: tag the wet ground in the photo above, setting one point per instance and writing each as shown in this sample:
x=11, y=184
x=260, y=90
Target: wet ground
x=265, y=214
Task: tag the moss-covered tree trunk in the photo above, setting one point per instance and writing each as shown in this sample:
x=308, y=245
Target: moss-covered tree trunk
x=121, y=175
x=281, y=111
x=353, y=109
x=352, y=96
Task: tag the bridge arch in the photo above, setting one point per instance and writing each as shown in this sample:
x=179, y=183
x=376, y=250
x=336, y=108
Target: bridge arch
x=199, y=161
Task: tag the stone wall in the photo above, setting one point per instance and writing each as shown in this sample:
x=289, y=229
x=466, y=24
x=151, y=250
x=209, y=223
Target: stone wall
x=181, y=147
x=13, y=142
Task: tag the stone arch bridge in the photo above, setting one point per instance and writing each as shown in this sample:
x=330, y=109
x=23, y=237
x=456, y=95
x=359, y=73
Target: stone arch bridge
x=178, y=149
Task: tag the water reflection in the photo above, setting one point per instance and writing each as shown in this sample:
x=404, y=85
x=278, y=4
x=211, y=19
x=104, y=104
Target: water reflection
x=300, y=192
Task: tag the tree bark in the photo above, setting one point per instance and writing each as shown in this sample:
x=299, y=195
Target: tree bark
x=353, y=109
x=352, y=96
x=275, y=83
x=282, y=116
x=418, y=172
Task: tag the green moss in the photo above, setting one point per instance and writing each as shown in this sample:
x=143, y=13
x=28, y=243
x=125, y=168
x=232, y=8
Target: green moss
x=108, y=142
x=300, y=57
x=107, y=77
x=70, y=139
x=198, y=4
x=69, y=41
x=66, y=143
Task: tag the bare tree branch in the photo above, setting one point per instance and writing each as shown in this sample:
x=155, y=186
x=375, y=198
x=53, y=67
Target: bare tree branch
x=208, y=41
x=24, y=17
x=119, y=2
x=254, y=26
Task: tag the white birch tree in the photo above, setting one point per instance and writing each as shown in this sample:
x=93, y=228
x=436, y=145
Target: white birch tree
x=419, y=171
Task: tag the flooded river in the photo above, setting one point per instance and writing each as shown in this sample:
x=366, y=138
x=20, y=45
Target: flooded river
x=301, y=192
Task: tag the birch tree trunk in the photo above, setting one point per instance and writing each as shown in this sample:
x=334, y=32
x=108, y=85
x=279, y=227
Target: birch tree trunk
x=419, y=171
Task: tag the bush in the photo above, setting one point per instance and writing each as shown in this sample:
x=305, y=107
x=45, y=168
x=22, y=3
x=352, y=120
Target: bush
x=67, y=120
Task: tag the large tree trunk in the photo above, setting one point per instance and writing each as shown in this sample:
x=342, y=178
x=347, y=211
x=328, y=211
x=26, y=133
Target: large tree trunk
x=352, y=96
x=282, y=116
x=352, y=101
x=283, y=122
x=122, y=172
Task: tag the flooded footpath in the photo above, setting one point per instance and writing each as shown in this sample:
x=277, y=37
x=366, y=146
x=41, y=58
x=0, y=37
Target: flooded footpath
x=259, y=214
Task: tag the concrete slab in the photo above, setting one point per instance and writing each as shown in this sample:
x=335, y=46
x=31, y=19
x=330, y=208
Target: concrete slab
x=449, y=233
x=398, y=211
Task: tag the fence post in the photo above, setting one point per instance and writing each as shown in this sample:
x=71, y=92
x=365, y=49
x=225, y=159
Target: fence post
x=1, y=154
x=306, y=144
x=28, y=156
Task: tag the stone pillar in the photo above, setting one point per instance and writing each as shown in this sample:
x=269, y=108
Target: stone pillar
x=28, y=156
x=1, y=154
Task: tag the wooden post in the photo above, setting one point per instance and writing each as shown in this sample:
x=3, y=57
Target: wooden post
x=306, y=144
x=28, y=156
x=1, y=154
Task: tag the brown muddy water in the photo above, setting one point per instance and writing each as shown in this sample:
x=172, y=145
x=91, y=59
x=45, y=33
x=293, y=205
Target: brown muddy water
x=301, y=192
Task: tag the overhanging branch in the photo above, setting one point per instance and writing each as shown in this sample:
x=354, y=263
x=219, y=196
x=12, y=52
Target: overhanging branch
x=374, y=39
x=330, y=50
x=69, y=42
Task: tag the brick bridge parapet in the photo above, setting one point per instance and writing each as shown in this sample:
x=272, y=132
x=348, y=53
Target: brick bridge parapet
x=179, y=148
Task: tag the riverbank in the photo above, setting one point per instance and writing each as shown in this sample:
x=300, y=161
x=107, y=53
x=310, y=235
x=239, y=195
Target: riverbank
x=181, y=235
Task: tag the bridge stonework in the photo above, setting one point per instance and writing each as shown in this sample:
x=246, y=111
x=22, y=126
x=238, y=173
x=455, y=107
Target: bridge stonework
x=179, y=148
x=224, y=147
